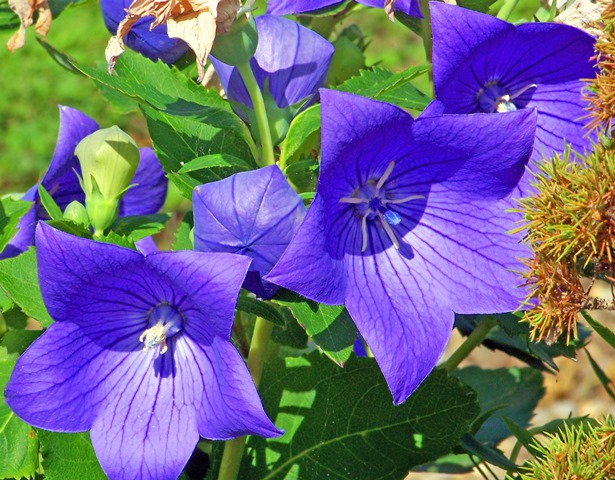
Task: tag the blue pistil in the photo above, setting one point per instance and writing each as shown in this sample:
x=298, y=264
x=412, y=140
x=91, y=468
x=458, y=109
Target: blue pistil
x=370, y=201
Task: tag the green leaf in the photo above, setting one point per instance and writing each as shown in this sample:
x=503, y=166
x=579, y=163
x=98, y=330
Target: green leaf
x=600, y=329
x=341, y=423
x=331, y=328
x=19, y=279
x=486, y=453
x=525, y=438
x=382, y=84
x=18, y=442
x=16, y=341
x=303, y=127
x=606, y=382
x=10, y=213
x=509, y=392
x=179, y=140
x=211, y=168
x=183, y=238
x=476, y=5
x=138, y=227
x=49, y=204
x=69, y=456
x=166, y=89
x=262, y=308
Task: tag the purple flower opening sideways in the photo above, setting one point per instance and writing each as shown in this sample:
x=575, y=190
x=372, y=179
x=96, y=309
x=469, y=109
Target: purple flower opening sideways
x=251, y=213
x=60, y=180
x=485, y=65
x=154, y=44
x=139, y=354
x=291, y=61
x=408, y=226
x=285, y=7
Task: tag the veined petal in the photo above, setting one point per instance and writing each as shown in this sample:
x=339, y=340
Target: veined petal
x=74, y=127
x=465, y=248
x=284, y=7
x=310, y=266
x=91, y=283
x=251, y=213
x=409, y=7
x=291, y=59
x=205, y=289
x=150, y=190
x=393, y=306
x=229, y=406
x=457, y=32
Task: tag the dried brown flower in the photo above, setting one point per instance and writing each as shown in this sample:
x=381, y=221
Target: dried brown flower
x=197, y=22
x=25, y=10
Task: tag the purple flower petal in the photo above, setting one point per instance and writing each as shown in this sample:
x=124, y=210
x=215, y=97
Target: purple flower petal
x=284, y=7
x=482, y=64
x=139, y=354
x=292, y=59
x=409, y=7
x=251, y=213
x=154, y=44
x=24, y=237
x=150, y=190
x=406, y=211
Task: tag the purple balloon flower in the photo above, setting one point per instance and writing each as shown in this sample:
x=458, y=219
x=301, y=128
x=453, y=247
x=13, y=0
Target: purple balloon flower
x=62, y=183
x=251, y=213
x=154, y=44
x=292, y=60
x=284, y=7
x=483, y=64
x=139, y=354
x=407, y=226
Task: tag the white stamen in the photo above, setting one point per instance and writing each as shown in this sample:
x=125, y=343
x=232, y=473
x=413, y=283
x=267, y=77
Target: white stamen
x=389, y=230
x=385, y=175
x=521, y=92
x=403, y=200
x=156, y=335
x=353, y=200
x=364, y=232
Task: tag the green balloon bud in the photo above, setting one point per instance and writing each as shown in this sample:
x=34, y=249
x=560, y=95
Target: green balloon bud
x=348, y=58
x=109, y=159
x=77, y=213
x=239, y=44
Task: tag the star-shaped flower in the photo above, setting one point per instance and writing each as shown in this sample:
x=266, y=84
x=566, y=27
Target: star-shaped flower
x=483, y=64
x=252, y=213
x=406, y=227
x=290, y=65
x=284, y=7
x=60, y=180
x=139, y=354
x=153, y=43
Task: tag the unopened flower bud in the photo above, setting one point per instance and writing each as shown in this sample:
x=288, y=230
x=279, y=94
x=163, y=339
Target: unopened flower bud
x=109, y=159
x=239, y=44
x=76, y=212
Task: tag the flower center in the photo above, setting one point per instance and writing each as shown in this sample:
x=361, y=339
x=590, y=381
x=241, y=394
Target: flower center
x=493, y=98
x=371, y=202
x=164, y=322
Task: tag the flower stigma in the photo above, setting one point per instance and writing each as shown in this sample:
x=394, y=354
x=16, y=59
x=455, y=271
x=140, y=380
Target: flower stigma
x=493, y=98
x=164, y=322
x=371, y=202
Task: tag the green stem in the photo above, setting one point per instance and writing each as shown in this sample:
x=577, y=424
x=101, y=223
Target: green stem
x=260, y=112
x=3, y=327
x=233, y=449
x=426, y=33
x=474, y=340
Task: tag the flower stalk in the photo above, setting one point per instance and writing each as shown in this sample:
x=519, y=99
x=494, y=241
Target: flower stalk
x=474, y=340
x=262, y=121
